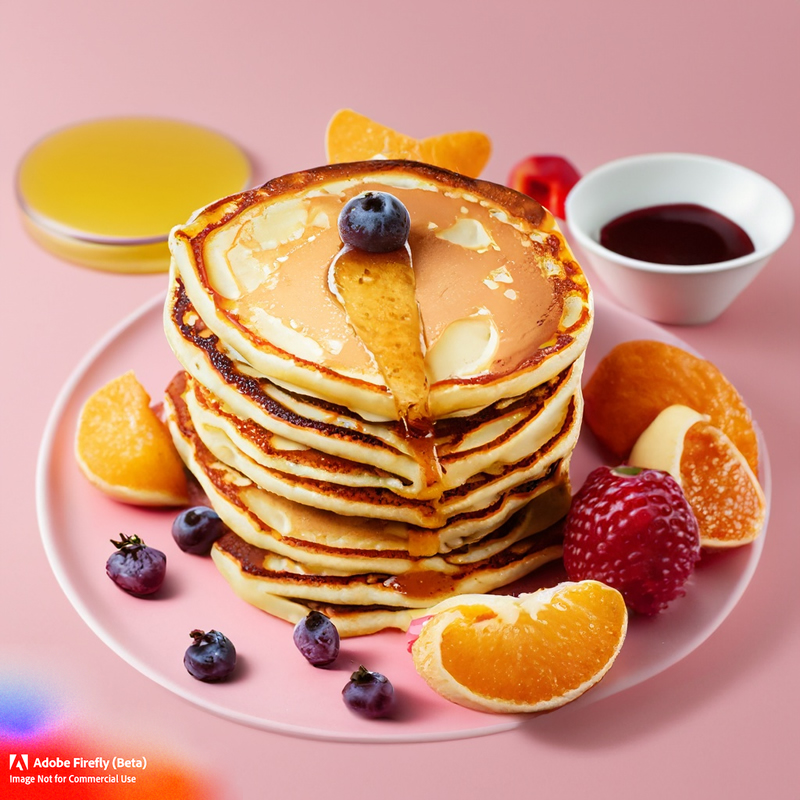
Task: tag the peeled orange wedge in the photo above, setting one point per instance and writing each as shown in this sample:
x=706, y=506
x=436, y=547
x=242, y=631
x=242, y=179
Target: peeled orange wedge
x=125, y=450
x=530, y=653
x=638, y=379
x=722, y=490
x=354, y=137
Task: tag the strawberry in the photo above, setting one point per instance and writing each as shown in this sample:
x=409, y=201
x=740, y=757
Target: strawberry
x=633, y=530
x=547, y=179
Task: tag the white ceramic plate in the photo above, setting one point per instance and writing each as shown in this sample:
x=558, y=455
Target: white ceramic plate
x=274, y=688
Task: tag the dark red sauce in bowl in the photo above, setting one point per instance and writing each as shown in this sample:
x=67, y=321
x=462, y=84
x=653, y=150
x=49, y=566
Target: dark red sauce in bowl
x=684, y=234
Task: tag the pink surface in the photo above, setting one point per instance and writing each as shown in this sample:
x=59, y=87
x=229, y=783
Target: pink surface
x=591, y=81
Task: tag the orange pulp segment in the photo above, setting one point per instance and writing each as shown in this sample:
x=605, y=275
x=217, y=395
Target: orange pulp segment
x=529, y=654
x=719, y=485
x=125, y=450
x=354, y=137
x=639, y=379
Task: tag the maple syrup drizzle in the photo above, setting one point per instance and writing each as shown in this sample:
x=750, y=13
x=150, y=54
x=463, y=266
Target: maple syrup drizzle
x=378, y=293
x=421, y=440
x=423, y=543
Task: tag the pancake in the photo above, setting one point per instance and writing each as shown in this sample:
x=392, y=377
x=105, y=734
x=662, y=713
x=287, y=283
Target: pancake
x=504, y=305
x=349, y=620
x=257, y=576
x=304, y=420
x=261, y=418
x=322, y=540
x=482, y=491
x=377, y=431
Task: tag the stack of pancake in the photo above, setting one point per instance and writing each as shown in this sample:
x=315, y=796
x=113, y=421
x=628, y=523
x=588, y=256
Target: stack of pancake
x=333, y=501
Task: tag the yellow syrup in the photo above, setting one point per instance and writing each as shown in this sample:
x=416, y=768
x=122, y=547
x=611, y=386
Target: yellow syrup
x=106, y=193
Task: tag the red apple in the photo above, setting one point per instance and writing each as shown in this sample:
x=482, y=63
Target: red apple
x=547, y=179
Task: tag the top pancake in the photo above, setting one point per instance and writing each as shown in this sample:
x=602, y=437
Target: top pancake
x=504, y=306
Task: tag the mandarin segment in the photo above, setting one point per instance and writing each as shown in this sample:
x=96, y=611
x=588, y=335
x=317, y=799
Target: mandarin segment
x=466, y=152
x=719, y=485
x=124, y=449
x=639, y=379
x=527, y=654
x=354, y=137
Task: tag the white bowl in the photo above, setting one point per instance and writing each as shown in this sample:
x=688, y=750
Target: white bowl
x=671, y=293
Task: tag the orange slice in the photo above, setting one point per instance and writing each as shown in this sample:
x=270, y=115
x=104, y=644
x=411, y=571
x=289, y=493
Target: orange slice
x=530, y=653
x=639, y=379
x=125, y=450
x=722, y=490
x=354, y=137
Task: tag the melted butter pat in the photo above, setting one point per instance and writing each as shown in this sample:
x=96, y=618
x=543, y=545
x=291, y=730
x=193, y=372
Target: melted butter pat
x=466, y=347
x=273, y=329
x=468, y=233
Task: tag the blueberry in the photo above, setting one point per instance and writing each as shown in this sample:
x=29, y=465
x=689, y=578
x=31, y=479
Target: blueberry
x=374, y=221
x=196, y=529
x=317, y=639
x=211, y=657
x=136, y=568
x=369, y=694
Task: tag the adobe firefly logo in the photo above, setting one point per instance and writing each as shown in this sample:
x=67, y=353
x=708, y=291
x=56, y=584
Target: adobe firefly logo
x=18, y=761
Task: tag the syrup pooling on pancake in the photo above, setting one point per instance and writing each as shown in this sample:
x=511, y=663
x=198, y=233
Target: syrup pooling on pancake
x=303, y=419
x=461, y=263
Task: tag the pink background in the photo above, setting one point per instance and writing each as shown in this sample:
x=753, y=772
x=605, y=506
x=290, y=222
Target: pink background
x=593, y=81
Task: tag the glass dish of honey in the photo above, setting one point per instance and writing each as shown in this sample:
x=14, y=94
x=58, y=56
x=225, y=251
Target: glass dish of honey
x=105, y=193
